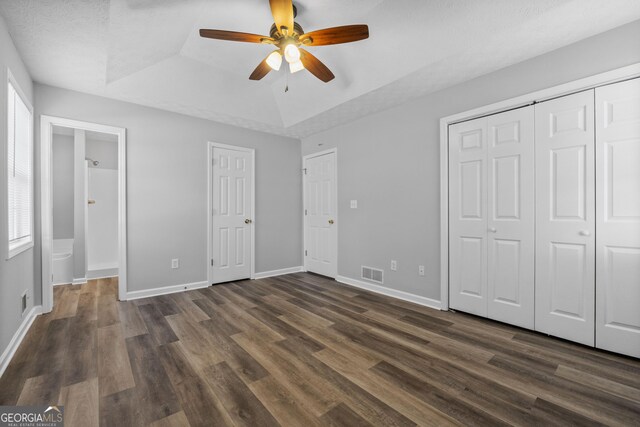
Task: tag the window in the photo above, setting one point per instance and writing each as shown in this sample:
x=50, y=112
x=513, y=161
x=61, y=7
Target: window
x=19, y=171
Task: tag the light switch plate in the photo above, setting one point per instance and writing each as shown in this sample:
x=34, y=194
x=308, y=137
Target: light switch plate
x=175, y=263
x=354, y=204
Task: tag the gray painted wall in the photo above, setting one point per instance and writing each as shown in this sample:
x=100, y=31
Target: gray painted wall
x=105, y=152
x=167, y=187
x=62, y=184
x=16, y=274
x=389, y=161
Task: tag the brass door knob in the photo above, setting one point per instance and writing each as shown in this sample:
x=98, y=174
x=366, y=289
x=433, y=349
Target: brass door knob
x=91, y=202
x=247, y=221
x=330, y=221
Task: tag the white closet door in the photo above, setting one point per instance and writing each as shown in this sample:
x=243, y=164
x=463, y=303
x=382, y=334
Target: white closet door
x=510, y=206
x=232, y=198
x=618, y=217
x=565, y=211
x=468, y=216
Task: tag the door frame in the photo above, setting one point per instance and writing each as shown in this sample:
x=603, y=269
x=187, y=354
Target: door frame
x=210, y=146
x=608, y=77
x=333, y=150
x=46, y=200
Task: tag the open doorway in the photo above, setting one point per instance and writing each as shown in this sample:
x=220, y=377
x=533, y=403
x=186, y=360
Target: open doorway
x=83, y=204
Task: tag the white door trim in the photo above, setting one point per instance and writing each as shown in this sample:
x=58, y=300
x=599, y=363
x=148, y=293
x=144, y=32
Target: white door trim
x=304, y=198
x=46, y=207
x=211, y=146
x=591, y=82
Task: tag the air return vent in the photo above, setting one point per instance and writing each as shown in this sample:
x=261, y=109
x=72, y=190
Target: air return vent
x=372, y=274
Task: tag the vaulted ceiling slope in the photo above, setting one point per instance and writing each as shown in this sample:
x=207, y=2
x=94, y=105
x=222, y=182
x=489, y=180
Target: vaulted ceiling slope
x=149, y=52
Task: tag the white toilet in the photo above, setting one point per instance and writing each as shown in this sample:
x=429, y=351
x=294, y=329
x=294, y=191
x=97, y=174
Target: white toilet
x=62, y=261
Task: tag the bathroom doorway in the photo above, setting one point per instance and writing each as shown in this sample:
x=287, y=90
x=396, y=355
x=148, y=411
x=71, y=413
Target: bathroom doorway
x=83, y=204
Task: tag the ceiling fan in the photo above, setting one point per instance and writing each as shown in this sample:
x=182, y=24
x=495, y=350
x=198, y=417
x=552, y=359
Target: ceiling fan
x=288, y=36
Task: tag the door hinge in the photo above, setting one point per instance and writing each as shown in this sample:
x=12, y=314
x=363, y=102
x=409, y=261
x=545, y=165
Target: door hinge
x=305, y=211
x=304, y=170
x=305, y=252
x=212, y=262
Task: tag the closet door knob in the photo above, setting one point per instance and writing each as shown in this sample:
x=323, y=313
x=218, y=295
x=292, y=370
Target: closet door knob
x=492, y=229
x=585, y=233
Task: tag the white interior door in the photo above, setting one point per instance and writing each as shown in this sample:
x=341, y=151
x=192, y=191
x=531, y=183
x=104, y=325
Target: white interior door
x=565, y=211
x=618, y=217
x=510, y=205
x=320, y=207
x=232, y=196
x=468, y=216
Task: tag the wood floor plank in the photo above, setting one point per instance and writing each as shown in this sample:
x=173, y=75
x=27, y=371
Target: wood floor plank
x=131, y=320
x=179, y=419
x=157, y=325
x=114, y=368
x=302, y=349
x=153, y=393
x=107, y=310
x=237, y=357
x=188, y=308
x=41, y=390
x=342, y=415
x=195, y=340
x=282, y=404
x=194, y=395
x=80, y=401
x=314, y=393
x=242, y=406
x=81, y=360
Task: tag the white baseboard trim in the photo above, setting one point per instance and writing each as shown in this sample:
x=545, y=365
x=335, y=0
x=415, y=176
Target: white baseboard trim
x=146, y=293
x=17, y=338
x=102, y=273
x=280, y=272
x=406, y=296
x=80, y=281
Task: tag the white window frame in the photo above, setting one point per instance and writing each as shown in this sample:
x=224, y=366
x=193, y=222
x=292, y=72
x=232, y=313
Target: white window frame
x=25, y=245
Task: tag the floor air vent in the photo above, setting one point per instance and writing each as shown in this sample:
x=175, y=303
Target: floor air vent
x=372, y=274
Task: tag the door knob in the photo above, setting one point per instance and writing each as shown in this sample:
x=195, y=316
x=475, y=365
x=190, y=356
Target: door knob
x=492, y=229
x=247, y=221
x=330, y=221
x=91, y=202
x=585, y=233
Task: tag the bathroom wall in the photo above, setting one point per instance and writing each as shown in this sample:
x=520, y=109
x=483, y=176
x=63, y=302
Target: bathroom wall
x=102, y=219
x=104, y=151
x=62, y=186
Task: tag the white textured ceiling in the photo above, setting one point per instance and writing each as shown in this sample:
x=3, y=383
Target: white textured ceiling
x=149, y=52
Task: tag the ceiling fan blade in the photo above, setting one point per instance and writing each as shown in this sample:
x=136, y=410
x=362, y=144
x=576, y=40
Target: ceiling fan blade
x=261, y=70
x=235, y=36
x=316, y=67
x=282, y=11
x=335, y=35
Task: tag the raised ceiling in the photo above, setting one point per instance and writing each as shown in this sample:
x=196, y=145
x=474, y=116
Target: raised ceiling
x=148, y=51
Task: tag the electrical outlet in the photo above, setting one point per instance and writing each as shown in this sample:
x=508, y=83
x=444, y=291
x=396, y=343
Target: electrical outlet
x=394, y=265
x=421, y=270
x=175, y=263
x=354, y=204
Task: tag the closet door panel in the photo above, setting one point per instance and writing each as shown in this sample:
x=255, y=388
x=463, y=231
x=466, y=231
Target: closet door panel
x=468, y=216
x=510, y=197
x=618, y=217
x=565, y=217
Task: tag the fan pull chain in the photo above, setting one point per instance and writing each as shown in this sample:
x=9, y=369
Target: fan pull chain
x=286, y=80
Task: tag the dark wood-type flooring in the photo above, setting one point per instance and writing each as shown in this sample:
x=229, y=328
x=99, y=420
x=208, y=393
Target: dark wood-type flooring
x=302, y=350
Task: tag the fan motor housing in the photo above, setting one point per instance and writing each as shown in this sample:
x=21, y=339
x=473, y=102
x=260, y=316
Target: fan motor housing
x=273, y=33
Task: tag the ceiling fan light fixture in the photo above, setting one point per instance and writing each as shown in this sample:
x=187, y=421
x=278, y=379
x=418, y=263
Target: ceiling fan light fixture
x=292, y=53
x=296, y=66
x=274, y=60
